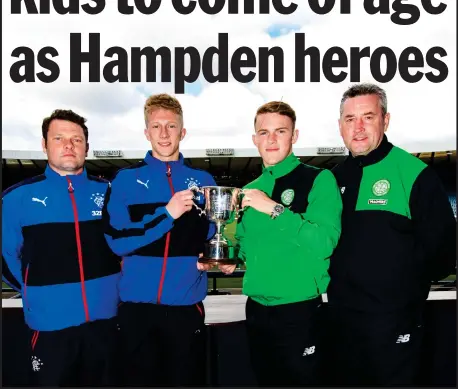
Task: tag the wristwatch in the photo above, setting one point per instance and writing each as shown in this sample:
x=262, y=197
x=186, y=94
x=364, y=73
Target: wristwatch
x=277, y=211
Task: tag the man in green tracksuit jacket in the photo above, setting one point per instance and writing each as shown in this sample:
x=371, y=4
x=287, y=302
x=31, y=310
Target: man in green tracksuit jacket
x=398, y=235
x=287, y=231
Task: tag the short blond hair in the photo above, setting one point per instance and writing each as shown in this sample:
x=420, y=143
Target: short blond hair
x=164, y=101
x=277, y=107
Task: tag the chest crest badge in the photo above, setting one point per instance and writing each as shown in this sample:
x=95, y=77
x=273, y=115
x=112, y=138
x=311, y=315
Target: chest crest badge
x=98, y=199
x=287, y=196
x=381, y=187
x=192, y=182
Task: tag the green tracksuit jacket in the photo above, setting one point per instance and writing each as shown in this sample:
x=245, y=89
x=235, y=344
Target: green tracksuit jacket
x=398, y=232
x=287, y=258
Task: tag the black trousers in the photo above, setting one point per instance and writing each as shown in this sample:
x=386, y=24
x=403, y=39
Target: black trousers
x=374, y=349
x=163, y=345
x=284, y=341
x=86, y=355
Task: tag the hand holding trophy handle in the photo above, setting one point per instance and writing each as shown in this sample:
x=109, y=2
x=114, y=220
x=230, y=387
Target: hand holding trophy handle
x=180, y=203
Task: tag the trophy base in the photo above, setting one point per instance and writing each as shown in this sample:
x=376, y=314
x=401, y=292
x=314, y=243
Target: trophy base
x=218, y=251
x=219, y=261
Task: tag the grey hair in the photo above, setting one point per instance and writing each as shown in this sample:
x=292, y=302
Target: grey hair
x=366, y=89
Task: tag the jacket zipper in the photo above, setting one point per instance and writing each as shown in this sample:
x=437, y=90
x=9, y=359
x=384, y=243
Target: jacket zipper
x=167, y=240
x=35, y=333
x=71, y=191
x=34, y=339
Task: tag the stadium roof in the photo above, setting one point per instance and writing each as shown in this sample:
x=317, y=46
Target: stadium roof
x=222, y=162
x=226, y=165
x=414, y=147
x=189, y=153
x=225, y=160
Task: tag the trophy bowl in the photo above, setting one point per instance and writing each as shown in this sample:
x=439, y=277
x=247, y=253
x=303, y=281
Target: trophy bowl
x=221, y=204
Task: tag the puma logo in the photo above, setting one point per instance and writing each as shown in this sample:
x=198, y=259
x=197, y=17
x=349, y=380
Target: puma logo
x=145, y=184
x=40, y=201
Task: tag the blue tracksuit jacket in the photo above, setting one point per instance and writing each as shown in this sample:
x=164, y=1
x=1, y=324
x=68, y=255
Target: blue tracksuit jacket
x=159, y=253
x=54, y=250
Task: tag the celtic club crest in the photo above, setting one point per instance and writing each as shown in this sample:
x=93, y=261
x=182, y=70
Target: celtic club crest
x=287, y=196
x=381, y=187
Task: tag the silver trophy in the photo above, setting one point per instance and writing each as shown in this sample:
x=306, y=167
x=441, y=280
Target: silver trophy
x=221, y=205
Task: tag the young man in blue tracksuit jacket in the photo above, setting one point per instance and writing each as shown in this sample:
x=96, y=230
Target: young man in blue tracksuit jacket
x=155, y=224
x=55, y=254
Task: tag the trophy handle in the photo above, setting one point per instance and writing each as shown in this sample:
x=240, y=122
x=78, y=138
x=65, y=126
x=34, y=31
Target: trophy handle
x=240, y=195
x=195, y=190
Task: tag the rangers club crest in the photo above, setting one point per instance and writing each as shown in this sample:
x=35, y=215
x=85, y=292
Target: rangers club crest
x=98, y=199
x=192, y=183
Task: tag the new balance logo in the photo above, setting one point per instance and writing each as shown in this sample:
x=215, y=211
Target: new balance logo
x=145, y=184
x=403, y=338
x=40, y=201
x=308, y=351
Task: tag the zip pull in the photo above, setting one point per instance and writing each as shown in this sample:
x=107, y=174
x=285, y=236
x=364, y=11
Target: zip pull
x=70, y=186
x=169, y=171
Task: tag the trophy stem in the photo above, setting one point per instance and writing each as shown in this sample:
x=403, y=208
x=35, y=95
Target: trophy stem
x=219, y=227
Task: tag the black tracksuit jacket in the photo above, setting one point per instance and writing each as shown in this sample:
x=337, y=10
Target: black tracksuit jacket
x=398, y=232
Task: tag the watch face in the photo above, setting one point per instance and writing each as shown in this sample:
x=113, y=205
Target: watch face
x=279, y=208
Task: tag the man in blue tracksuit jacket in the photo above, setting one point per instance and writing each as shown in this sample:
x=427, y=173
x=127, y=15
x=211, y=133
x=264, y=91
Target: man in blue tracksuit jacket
x=55, y=254
x=155, y=224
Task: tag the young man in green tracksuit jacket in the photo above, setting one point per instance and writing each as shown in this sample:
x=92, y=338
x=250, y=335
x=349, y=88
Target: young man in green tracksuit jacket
x=287, y=231
x=398, y=235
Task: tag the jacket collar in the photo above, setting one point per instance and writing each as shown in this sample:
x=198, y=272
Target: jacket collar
x=156, y=163
x=52, y=175
x=374, y=156
x=282, y=168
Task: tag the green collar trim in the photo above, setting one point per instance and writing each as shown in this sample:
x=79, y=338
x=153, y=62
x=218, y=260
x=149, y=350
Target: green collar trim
x=282, y=168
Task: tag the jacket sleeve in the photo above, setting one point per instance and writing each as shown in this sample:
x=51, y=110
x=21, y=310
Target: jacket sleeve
x=316, y=231
x=434, y=227
x=12, y=241
x=124, y=236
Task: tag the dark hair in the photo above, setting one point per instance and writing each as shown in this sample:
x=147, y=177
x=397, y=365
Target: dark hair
x=277, y=107
x=64, y=114
x=366, y=89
